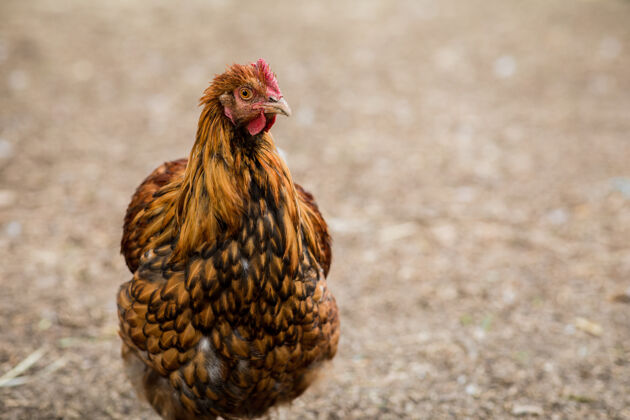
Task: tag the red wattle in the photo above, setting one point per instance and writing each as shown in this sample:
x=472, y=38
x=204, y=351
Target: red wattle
x=256, y=125
x=270, y=122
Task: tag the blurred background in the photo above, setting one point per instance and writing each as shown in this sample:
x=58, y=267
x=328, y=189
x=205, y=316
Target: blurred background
x=472, y=159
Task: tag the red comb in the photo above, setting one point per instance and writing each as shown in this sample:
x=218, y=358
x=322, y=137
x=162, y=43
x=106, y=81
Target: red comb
x=270, y=78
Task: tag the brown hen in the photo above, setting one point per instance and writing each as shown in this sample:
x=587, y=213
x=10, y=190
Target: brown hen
x=228, y=311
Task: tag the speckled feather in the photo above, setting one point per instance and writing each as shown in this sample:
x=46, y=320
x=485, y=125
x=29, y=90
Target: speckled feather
x=239, y=317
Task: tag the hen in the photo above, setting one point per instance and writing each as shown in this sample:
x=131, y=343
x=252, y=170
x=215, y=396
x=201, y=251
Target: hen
x=228, y=311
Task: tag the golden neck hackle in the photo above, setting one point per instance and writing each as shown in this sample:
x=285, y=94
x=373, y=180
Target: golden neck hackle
x=214, y=193
x=211, y=200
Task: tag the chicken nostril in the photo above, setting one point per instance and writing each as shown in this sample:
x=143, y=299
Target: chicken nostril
x=272, y=99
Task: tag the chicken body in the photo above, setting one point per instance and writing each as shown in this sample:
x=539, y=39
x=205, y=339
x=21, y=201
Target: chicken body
x=227, y=316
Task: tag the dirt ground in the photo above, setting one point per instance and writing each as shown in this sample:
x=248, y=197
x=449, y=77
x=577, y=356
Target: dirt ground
x=471, y=157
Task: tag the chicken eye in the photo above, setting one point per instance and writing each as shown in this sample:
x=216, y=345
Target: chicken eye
x=245, y=93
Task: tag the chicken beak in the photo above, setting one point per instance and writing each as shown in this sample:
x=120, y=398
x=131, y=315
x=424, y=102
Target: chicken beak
x=277, y=106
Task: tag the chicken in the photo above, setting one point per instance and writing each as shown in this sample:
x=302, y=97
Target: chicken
x=228, y=312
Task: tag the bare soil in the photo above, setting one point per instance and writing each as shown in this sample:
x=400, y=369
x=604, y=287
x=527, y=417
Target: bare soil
x=472, y=158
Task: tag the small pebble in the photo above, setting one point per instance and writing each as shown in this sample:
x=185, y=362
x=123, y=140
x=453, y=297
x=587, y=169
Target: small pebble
x=6, y=149
x=18, y=80
x=610, y=48
x=445, y=233
x=472, y=389
x=622, y=185
x=13, y=229
x=582, y=351
x=7, y=198
x=504, y=67
x=557, y=217
x=527, y=410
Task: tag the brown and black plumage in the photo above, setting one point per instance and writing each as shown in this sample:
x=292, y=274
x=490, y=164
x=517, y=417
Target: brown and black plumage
x=228, y=311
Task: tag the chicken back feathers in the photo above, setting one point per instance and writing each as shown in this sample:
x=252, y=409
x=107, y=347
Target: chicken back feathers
x=228, y=311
